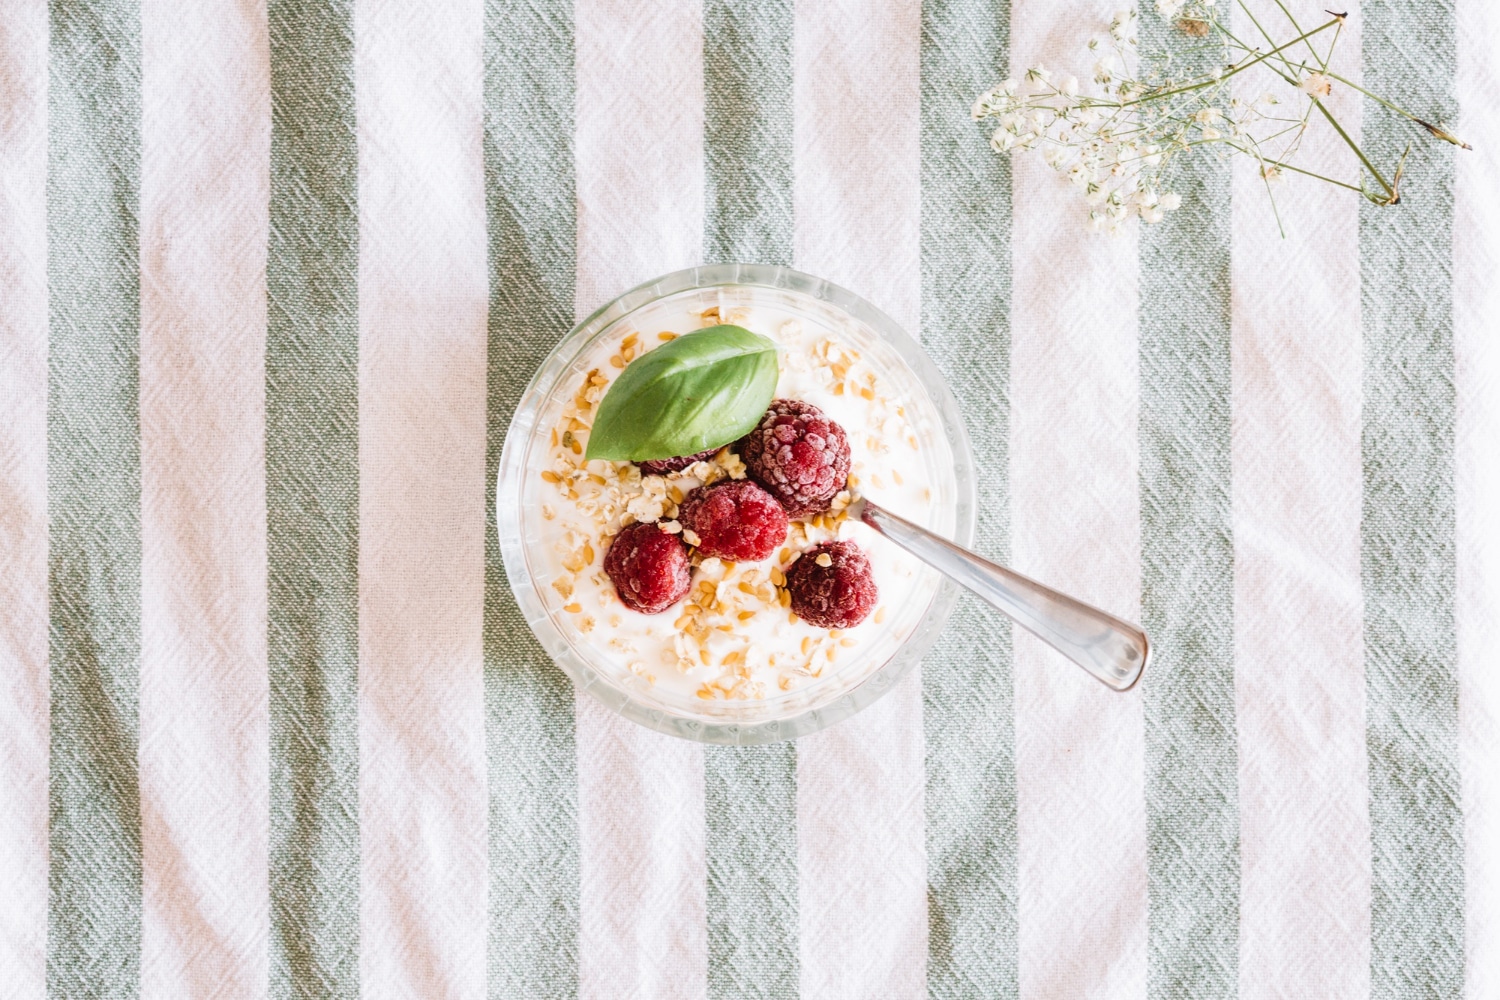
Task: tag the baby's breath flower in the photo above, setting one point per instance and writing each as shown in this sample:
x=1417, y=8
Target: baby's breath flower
x=1119, y=144
x=1316, y=84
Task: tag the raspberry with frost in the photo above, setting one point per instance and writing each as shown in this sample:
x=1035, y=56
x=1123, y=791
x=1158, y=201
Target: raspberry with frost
x=734, y=519
x=648, y=567
x=832, y=585
x=799, y=454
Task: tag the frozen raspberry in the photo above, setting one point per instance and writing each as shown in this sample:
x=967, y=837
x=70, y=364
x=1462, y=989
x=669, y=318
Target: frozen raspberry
x=648, y=567
x=799, y=454
x=839, y=595
x=662, y=466
x=734, y=519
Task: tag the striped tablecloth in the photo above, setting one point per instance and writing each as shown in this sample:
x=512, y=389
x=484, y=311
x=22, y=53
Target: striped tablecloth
x=272, y=276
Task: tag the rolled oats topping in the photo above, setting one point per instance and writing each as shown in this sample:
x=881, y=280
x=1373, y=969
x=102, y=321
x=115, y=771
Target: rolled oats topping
x=690, y=576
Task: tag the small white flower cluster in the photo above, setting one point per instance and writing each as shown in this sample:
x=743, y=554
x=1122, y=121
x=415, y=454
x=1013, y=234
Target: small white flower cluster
x=1099, y=141
x=1117, y=140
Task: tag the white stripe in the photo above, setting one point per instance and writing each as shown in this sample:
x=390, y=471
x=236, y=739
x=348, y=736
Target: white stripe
x=24, y=718
x=861, y=853
x=1299, y=641
x=204, y=772
x=422, y=357
x=639, y=135
x=857, y=209
x=1080, y=750
x=1476, y=252
x=643, y=929
x=642, y=889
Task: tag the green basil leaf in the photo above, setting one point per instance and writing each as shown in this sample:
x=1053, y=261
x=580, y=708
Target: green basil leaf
x=702, y=390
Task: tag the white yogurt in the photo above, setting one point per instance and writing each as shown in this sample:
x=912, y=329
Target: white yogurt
x=733, y=640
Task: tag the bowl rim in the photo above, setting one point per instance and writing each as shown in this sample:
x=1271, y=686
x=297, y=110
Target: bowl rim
x=506, y=511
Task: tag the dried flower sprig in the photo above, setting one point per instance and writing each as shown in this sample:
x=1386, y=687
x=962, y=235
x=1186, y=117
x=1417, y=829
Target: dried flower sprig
x=1119, y=140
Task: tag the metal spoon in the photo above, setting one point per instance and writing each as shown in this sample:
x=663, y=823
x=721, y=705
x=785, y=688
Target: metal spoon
x=1109, y=648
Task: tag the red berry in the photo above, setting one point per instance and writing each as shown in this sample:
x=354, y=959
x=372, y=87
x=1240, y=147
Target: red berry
x=799, y=454
x=734, y=519
x=839, y=595
x=648, y=567
x=662, y=466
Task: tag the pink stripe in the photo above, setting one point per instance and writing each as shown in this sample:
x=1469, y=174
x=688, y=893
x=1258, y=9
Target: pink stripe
x=857, y=206
x=642, y=894
x=24, y=722
x=206, y=122
x=422, y=348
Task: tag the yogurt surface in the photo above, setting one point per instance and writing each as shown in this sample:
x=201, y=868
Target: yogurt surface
x=732, y=647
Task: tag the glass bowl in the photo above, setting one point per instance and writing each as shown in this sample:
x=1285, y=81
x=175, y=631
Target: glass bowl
x=945, y=461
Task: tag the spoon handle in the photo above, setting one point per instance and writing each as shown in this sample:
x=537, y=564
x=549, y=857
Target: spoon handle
x=1109, y=648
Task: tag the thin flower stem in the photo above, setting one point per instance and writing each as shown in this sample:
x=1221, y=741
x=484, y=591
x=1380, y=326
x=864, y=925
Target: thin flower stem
x=1389, y=190
x=1436, y=132
x=1298, y=27
x=1258, y=27
x=1271, y=197
x=1323, y=64
x=1295, y=127
x=1374, y=97
x=1289, y=81
x=1280, y=165
x=1238, y=68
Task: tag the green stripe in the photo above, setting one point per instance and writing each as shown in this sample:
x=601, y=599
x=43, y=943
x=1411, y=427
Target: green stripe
x=747, y=138
x=1407, y=536
x=752, y=871
x=533, y=788
x=1187, y=574
x=312, y=502
x=94, y=499
x=967, y=690
x=750, y=792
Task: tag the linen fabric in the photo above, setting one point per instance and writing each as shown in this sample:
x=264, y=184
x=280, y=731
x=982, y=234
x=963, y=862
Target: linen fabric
x=274, y=275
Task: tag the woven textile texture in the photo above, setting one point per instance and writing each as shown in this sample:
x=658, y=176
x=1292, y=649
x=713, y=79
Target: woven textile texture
x=274, y=275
